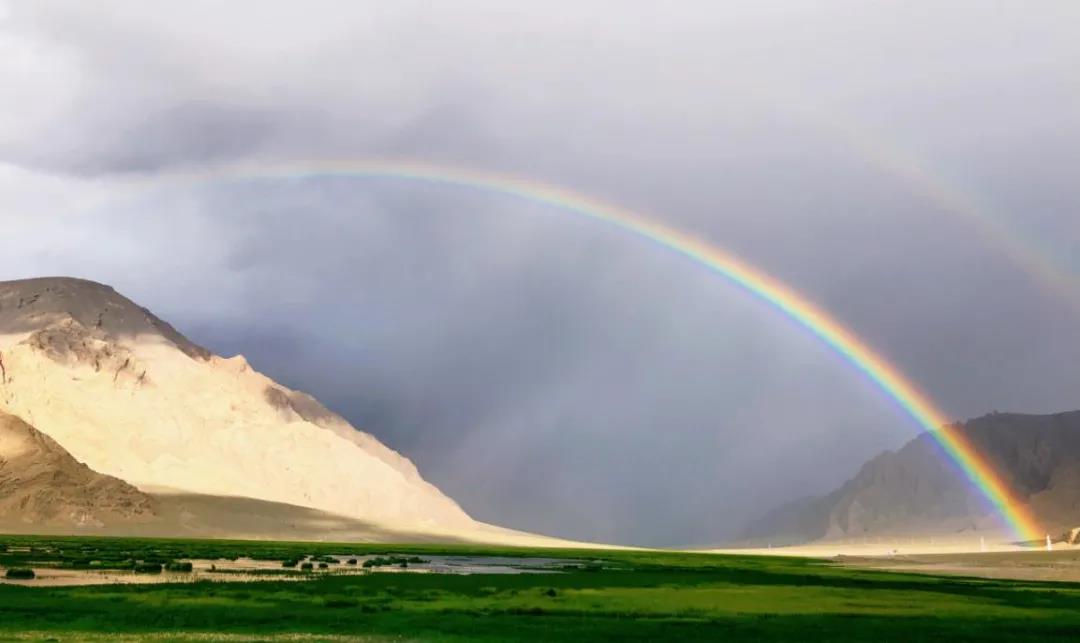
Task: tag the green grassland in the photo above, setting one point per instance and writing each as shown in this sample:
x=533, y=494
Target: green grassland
x=612, y=595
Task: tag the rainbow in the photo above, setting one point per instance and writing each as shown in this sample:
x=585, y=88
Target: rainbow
x=883, y=374
x=890, y=158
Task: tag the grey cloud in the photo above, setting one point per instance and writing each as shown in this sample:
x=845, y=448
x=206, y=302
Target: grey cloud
x=179, y=135
x=551, y=373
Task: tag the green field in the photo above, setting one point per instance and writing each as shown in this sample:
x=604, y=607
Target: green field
x=601, y=595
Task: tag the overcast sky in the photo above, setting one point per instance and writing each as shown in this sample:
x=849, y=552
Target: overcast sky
x=903, y=164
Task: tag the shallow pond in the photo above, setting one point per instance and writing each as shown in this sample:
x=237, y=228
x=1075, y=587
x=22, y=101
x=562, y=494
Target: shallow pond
x=248, y=570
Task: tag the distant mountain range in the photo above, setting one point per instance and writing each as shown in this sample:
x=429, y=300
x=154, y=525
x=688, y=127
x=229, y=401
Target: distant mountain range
x=917, y=490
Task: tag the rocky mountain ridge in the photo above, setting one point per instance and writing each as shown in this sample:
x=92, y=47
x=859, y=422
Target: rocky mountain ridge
x=918, y=490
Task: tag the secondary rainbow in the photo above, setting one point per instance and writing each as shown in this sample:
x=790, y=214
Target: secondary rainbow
x=880, y=151
x=883, y=374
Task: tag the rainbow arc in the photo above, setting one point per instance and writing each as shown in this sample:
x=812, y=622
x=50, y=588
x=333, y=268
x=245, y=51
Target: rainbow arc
x=885, y=375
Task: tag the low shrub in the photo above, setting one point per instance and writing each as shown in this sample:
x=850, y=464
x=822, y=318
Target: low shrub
x=351, y=561
x=177, y=566
x=290, y=563
x=387, y=561
x=307, y=567
x=148, y=568
x=20, y=573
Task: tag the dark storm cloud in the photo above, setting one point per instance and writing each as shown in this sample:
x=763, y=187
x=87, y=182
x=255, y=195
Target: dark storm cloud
x=548, y=372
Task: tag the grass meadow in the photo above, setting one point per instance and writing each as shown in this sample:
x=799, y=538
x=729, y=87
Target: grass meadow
x=598, y=595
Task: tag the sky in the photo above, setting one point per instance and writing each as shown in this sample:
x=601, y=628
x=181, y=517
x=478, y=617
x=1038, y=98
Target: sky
x=910, y=167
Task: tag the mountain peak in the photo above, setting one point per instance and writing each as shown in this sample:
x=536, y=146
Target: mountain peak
x=917, y=490
x=128, y=395
x=31, y=305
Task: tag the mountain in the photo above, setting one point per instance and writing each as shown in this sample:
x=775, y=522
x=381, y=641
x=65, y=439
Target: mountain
x=43, y=490
x=151, y=412
x=917, y=490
